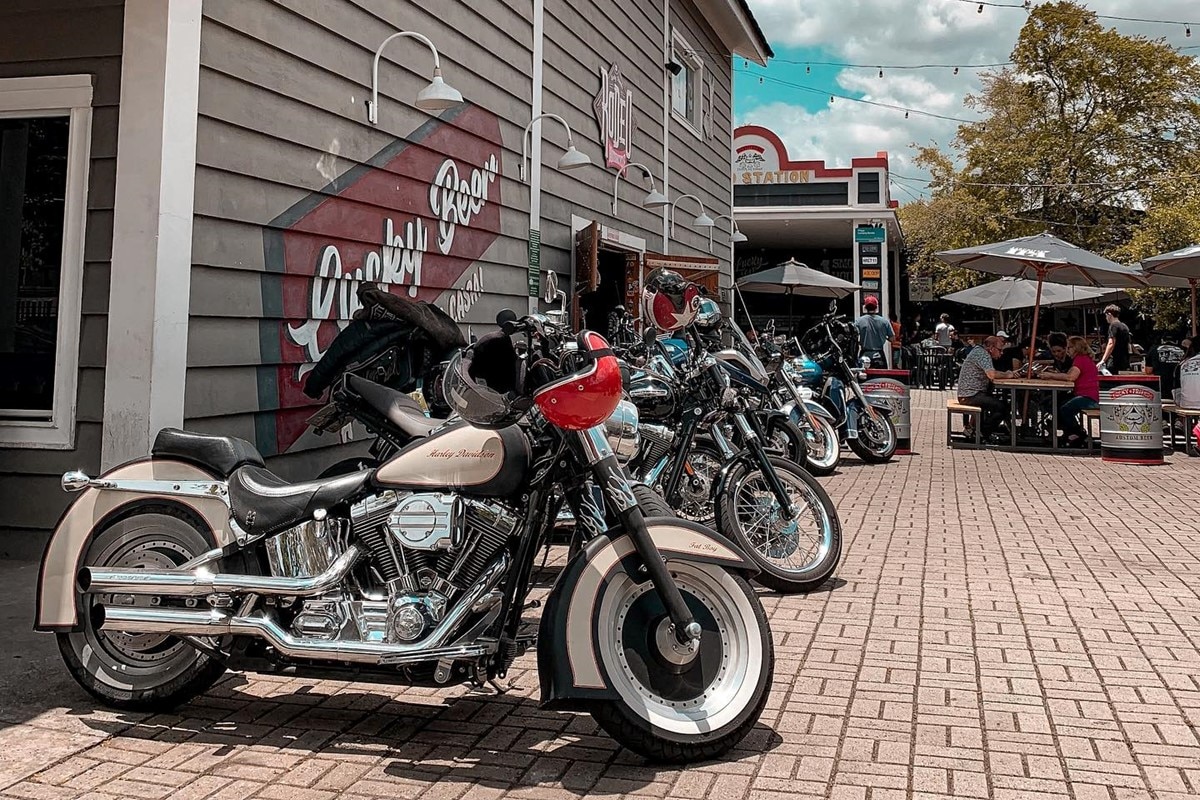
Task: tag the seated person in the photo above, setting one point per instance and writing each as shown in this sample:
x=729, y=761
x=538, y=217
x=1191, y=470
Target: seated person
x=974, y=384
x=1010, y=356
x=1086, y=378
x=1060, y=359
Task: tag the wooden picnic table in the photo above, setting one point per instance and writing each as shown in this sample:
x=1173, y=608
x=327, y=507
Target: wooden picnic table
x=1014, y=385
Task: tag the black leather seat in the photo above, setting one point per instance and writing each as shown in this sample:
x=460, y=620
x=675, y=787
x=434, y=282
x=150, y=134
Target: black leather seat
x=399, y=409
x=264, y=503
x=218, y=454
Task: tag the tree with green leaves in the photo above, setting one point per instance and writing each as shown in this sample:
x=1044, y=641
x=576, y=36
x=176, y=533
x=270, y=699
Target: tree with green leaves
x=1091, y=135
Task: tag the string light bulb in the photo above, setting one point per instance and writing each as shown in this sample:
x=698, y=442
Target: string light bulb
x=1187, y=31
x=807, y=69
x=956, y=70
x=980, y=9
x=831, y=99
x=881, y=72
x=906, y=115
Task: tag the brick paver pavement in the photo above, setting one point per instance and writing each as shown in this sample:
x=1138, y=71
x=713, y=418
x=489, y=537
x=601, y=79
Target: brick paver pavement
x=1002, y=626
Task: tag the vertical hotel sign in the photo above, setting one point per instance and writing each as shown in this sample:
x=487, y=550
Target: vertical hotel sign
x=614, y=114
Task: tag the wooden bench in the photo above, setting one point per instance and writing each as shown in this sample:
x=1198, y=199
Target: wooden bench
x=1190, y=417
x=974, y=413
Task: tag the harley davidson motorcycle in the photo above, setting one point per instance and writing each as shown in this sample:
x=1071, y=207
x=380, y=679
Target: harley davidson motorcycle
x=704, y=445
x=829, y=362
x=166, y=571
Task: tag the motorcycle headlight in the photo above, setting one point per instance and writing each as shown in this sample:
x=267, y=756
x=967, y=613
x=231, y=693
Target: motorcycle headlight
x=805, y=393
x=621, y=430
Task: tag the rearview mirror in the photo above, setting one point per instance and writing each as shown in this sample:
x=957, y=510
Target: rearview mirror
x=832, y=305
x=550, y=287
x=649, y=337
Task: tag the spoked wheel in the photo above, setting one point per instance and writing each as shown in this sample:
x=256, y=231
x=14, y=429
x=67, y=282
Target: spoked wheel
x=144, y=671
x=700, y=473
x=795, y=555
x=785, y=439
x=876, y=441
x=824, y=448
x=678, y=703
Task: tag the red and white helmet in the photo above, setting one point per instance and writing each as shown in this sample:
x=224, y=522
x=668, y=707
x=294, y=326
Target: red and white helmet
x=669, y=303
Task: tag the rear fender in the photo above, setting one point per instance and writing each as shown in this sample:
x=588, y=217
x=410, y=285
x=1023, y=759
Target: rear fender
x=571, y=671
x=94, y=508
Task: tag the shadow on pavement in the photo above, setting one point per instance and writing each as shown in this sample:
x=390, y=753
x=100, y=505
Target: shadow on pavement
x=502, y=742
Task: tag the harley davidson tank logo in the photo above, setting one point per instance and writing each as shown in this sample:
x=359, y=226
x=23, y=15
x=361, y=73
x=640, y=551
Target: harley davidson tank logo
x=414, y=218
x=481, y=455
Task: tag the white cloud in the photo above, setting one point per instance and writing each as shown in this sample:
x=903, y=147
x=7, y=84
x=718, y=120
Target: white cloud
x=907, y=32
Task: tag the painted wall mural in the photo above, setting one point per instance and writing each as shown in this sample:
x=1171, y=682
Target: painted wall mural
x=415, y=218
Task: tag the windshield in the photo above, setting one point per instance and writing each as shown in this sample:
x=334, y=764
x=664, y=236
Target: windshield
x=740, y=343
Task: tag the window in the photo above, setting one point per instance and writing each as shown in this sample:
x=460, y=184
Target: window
x=45, y=128
x=687, y=84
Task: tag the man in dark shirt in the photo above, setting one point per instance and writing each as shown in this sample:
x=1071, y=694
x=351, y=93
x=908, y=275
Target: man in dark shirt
x=1116, y=352
x=1011, y=356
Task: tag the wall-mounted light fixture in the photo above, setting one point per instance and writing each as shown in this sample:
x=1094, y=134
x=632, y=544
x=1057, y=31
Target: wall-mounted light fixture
x=437, y=96
x=572, y=159
x=653, y=198
x=674, y=67
x=703, y=220
x=735, y=235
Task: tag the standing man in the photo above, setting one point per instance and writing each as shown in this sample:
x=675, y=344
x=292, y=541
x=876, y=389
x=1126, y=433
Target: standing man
x=974, y=383
x=1116, y=352
x=944, y=333
x=874, y=332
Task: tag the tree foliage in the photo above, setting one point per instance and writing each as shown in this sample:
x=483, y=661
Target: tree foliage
x=1091, y=135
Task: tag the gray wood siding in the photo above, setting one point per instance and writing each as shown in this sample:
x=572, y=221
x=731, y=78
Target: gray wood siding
x=57, y=37
x=282, y=126
x=700, y=165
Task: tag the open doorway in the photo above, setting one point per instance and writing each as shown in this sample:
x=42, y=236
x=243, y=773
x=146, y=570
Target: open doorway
x=598, y=306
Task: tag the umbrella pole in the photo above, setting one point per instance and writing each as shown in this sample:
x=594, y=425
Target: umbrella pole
x=791, y=314
x=1193, y=283
x=1037, y=307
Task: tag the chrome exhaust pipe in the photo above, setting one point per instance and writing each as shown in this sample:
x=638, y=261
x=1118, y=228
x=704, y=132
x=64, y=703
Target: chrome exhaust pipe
x=201, y=582
x=220, y=622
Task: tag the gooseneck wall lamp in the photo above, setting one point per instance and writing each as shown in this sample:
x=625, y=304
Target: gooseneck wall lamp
x=703, y=220
x=653, y=199
x=572, y=159
x=437, y=96
x=735, y=235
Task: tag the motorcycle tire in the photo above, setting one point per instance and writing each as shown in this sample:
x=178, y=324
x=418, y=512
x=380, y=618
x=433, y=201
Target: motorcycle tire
x=699, y=482
x=878, y=448
x=824, y=448
x=651, y=502
x=785, y=436
x=676, y=706
x=140, y=672
x=769, y=541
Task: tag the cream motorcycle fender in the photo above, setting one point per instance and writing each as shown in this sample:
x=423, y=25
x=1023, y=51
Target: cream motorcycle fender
x=569, y=667
x=156, y=481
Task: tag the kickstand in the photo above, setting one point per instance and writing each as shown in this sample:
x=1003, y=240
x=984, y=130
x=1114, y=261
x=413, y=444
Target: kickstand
x=501, y=688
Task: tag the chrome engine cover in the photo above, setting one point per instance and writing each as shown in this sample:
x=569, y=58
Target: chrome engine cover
x=307, y=549
x=428, y=521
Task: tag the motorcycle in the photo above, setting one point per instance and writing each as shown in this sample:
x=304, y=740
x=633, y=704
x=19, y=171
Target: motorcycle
x=166, y=571
x=705, y=448
x=836, y=372
x=822, y=445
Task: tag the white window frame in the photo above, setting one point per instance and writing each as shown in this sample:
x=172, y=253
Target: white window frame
x=683, y=53
x=58, y=96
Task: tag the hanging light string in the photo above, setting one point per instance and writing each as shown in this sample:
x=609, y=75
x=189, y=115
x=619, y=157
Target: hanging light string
x=832, y=95
x=1157, y=179
x=1027, y=5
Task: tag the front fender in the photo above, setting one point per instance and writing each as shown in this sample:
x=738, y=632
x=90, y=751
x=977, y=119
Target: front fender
x=818, y=410
x=570, y=670
x=91, y=510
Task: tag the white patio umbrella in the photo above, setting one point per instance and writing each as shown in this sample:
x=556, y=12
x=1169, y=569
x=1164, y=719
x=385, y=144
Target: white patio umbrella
x=1008, y=294
x=1176, y=269
x=793, y=278
x=1044, y=257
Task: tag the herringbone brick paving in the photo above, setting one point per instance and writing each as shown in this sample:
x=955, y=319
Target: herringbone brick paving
x=1002, y=626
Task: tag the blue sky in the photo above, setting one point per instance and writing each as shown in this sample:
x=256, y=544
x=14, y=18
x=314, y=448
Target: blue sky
x=896, y=32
